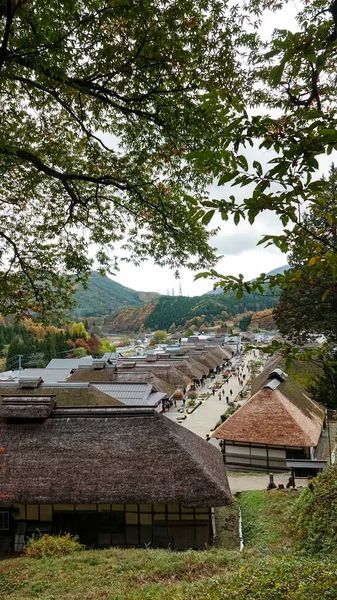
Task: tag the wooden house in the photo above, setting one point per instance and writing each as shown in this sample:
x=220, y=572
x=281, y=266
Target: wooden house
x=115, y=476
x=279, y=422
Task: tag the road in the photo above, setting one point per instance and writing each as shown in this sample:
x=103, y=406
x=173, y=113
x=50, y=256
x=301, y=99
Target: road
x=205, y=417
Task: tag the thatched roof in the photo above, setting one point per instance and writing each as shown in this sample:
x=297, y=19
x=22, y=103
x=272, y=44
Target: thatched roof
x=64, y=395
x=26, y=407
x=207, y=359
x=189, y=369
x=109, y=455
x=93, y=375
x=284, y=416
x=199, y=365
x=220, y=353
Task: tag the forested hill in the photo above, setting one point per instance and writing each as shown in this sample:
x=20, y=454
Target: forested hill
x=183, y=311
x=104, y=296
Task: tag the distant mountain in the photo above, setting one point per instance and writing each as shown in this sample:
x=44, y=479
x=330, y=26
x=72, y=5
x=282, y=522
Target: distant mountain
x=279, y=270
x=184, y=311
x=104, y=296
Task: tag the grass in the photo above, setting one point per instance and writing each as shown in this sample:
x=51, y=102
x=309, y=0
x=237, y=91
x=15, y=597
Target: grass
x=266, y=517
x=267, y=569
x=162, y=575
x=112, y=574
x=227, y=527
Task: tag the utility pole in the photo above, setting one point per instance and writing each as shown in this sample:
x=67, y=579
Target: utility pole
x=20, y=363
x=180, y=289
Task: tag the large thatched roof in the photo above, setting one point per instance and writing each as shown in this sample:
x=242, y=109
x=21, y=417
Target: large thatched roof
x=109, y=455
x=279, y=413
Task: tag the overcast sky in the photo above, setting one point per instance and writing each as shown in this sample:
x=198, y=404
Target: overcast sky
x=236, y=243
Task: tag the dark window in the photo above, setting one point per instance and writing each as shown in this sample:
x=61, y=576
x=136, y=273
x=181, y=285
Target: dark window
x=295, y=453
x=4, y=521
x=92, y=528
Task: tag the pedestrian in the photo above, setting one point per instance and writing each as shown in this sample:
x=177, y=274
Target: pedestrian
x=219, y=395
x=227, y=399
x=213, y=391
x=244, y=376
x=231, y=393
x=223, y=392
x=175, y=402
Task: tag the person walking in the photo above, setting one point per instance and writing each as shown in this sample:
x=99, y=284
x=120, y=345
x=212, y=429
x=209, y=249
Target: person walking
x=219, y=395
x=227, y=399
x=231, y=392
x=223, y=392
x=213, y=391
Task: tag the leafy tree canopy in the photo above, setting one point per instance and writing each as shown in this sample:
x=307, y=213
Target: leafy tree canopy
x=183, y=88
x=101, y=102
x=293, y=118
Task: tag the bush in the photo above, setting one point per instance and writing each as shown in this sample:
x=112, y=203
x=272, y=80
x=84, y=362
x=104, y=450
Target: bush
x=52, y=545
x=192, y=394
x=314, y=518
x=191, y=403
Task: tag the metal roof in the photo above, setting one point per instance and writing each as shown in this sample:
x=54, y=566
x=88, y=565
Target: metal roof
x=47, y=375
x=307, y=464
x=272, y=384
x=132, y=394
x=69, y=363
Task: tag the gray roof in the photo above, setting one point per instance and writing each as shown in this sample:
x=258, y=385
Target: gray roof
x=50, y=375
x=69, y=363
x=131, y=394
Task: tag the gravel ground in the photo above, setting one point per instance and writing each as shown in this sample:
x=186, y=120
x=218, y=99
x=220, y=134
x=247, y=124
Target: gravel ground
x=242, y=483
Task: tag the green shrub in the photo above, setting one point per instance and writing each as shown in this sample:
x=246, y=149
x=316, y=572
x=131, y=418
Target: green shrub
x=314, y=518
x=52, y=545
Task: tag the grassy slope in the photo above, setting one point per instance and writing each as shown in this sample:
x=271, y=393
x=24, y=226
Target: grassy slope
x=215, y=574
x=265, y=517
x=162, y=575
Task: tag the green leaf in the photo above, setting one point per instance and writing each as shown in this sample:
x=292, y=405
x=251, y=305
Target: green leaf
x=208, y=217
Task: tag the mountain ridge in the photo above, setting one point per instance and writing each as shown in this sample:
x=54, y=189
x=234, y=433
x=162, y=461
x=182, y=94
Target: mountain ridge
x=278, y=270
x=105, y=295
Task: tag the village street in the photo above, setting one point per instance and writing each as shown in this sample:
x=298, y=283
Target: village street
x=205, y=417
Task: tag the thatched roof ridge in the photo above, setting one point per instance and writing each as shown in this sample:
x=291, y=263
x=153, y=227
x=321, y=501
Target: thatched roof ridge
x=274, y=362
x=26, y=407
x=110, y=455
x=65, y=395
x=270, y=417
